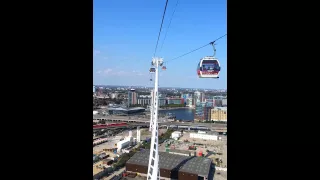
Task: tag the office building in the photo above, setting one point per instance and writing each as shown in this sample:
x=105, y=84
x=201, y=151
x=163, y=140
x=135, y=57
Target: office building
x=145, y=101
x=189, y=102
x=132, y=97
x=175, y=101
x=219, y=114
x=202, y=111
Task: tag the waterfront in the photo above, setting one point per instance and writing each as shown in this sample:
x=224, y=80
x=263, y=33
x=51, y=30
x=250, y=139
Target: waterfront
x=181, y=114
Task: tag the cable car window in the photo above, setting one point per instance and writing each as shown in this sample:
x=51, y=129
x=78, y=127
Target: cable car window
x=204, y=67
x=217, y=68
x=207, y=67
x=207, y=62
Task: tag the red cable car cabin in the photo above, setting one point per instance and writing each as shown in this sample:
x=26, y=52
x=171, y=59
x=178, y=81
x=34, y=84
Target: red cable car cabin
x=208, y=67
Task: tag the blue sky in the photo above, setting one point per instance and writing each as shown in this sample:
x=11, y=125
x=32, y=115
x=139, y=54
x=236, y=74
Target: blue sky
x=125, y=33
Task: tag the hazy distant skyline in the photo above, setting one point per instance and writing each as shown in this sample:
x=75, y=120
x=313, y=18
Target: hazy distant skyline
x=101, y=85
x=125, y=35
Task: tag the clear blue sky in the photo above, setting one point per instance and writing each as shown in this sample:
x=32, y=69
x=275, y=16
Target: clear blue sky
x=125, y=33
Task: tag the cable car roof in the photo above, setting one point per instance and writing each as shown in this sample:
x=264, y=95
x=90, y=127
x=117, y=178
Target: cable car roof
x=209, y=57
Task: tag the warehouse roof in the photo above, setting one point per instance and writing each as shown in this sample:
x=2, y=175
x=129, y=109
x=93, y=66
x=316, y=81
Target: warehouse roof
x=166, y=161
x=197, y=165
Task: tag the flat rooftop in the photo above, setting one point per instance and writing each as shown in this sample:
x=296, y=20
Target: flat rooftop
x=220, y=108
x=206, y=133
x=166, y=161
x=197, y=165
x=126, y=109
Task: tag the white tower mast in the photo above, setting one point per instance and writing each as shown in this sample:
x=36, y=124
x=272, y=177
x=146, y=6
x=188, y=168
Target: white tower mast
x=151, y=110
x=153, y=167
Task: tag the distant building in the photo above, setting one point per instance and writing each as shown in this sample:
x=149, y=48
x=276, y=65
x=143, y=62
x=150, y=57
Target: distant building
x=132, y=97
x=114, y=95
x=207, y=113
x=218, y=101
x=202, y=111
x=202, y=96
x=175, y=101
x=224, y=102
x=144, y=101
x=189, y=102
x=198, y=111
x=162, y=101
x=210, y=102
x=198, y=97
x=147, y=101
x=186, y=96
x=219, y=114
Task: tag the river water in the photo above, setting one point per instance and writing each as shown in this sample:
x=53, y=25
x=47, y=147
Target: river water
x=181, y=114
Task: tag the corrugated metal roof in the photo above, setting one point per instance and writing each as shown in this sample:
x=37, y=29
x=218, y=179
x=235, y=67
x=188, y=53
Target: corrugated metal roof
x=197, y=165
x=166, y=161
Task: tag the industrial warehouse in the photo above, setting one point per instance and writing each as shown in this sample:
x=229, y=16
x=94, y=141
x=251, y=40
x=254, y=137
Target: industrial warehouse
x=172, y=166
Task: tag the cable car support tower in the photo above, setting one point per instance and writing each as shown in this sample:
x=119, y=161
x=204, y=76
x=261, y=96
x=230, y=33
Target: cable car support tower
x=153, y=167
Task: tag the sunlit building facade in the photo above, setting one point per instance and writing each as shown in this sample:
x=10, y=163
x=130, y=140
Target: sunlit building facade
x=132, y=97
x=224, y=102
x=175, y=101
x=202, y=111
x=219, y=114
x=189, y=102
x=143, y=101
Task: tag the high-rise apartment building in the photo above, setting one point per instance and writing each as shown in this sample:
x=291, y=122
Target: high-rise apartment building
x=189, y=102
x=219, y=114
x=132, y=97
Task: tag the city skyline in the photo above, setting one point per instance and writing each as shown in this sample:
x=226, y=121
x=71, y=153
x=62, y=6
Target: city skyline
x=152, y=86
x=124, y=46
